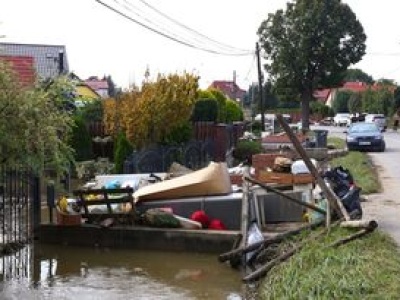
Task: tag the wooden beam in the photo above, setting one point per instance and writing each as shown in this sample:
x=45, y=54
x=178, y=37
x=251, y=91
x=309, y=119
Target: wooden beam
x=333, y=199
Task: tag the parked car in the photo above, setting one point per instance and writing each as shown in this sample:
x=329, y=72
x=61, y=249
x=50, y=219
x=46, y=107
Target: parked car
x=365, y=136
x=341, y=119
x=328, y=121
x=358, y=117
x=378, y=119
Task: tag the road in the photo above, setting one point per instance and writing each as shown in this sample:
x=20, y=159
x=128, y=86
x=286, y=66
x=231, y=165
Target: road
x=385, y=206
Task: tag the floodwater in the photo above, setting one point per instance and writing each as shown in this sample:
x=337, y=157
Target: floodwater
x=65, y=272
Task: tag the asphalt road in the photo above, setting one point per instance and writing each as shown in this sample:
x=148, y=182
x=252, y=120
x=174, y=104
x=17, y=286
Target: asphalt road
x=383, y=207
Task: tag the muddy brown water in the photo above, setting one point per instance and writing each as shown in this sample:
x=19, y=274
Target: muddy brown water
x=65, y=272
x=42, y=271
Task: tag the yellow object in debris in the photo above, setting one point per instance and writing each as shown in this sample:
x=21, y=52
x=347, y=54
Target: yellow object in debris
x=91, y=197
x=63, y=204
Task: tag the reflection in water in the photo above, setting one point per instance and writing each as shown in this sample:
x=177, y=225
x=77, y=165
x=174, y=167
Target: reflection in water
x=90, y=273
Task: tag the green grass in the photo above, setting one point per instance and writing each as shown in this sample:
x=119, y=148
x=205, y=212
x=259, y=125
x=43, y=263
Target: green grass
x=366, y=268
x=336, y=142
x=362, y=170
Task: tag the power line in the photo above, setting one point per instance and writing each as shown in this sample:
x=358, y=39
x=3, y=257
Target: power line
x=190, y=29
x=166, y=35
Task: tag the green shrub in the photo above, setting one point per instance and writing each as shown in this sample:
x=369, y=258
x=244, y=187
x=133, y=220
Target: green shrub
x=81, y=140
x=245, y=149
x=123, y=149
x=179, y=135
x=205, y=110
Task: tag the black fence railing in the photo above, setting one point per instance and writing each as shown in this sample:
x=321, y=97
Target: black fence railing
x=19, y=191
x=194, y=155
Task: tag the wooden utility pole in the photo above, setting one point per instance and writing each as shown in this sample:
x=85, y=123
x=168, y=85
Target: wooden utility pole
x=260, y=87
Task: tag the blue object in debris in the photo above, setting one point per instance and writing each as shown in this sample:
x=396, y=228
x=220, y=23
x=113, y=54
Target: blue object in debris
x=113, y=184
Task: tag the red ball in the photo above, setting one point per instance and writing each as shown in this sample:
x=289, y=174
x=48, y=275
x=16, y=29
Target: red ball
x=201, y=217
x=216, y=224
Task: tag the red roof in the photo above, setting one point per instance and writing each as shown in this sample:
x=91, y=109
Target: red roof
x=96, y=84
x=362, y=86
x=23, y=66
x=355, y=86
x=229, y=88
x=322, y=94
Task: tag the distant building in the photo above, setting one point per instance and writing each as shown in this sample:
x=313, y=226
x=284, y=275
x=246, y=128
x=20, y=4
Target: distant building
x=49, y=61
x=230, y=89
x=98, y=85
x=327, y=96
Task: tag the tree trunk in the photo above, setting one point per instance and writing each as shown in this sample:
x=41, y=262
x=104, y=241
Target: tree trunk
x=305, y=110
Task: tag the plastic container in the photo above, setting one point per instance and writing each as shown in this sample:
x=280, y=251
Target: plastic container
x=321, y=138
x=299, y=167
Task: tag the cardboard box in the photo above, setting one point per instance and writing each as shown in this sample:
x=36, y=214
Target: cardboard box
x=67, y=219
x=303, y=178
x=275, y=177
x=236, y=179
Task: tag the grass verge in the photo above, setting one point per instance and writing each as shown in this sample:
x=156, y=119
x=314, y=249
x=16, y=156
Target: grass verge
x=366, y=268
x=360, y=166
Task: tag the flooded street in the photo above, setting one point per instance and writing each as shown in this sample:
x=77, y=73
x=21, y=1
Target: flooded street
x=57, y=272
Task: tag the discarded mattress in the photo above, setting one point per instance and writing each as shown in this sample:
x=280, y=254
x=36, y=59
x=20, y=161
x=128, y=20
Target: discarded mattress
x=211, y=180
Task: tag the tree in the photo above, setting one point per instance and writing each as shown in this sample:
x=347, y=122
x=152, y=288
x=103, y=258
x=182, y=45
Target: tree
x=319, y=108
x=35, y=127
x=355, y=103
x=310, y=45
x=221, y=101
x=233, y=111
x=357, y=75
x=81, y=140
x=150, y=115
x=112, y=90
x=341, y=103
x=205, y=110
x=122, y=150
x=396, y=101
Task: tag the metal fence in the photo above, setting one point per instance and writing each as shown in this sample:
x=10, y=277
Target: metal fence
x=18, y=191
x=194, y=155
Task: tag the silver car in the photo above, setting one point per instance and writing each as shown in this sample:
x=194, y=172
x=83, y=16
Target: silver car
x=378, y=119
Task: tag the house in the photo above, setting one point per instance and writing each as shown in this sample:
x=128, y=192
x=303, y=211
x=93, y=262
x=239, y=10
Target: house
x=327, y=96
x=49, y=61
x=100, y=86
x=83, y=92
x=229, y=88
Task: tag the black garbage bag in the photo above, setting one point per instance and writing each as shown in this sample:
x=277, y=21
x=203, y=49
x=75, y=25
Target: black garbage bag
x=351, y=202
x=343, y=186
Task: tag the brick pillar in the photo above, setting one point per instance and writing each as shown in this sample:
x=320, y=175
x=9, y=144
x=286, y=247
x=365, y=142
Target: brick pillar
x=220, y=142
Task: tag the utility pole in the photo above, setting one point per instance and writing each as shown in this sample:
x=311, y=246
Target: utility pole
x=260, y=87
x=234, y=90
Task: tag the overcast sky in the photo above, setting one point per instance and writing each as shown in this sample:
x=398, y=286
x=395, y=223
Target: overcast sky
x=100, y=42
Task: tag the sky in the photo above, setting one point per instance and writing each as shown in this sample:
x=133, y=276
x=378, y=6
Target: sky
x=100, y=42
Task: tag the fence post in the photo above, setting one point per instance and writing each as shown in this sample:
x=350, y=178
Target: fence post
x=36, y=202
x=50, y=200
x=221, y=142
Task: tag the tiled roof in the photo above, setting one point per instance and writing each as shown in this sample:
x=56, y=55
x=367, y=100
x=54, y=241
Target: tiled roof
x=97, y=84
x=23, y=67
x=229, y=88
x=46, y=57
x=356, y=86
x=322, y=94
